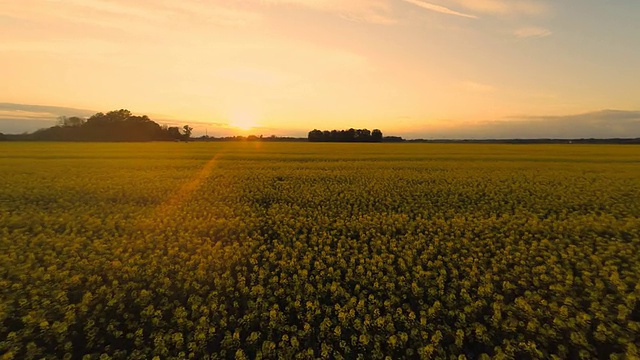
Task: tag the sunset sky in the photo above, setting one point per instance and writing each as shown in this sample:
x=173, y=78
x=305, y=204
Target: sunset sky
x=436, y=68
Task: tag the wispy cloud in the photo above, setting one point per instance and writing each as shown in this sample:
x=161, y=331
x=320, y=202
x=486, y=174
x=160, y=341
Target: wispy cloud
x=532, y=32
x=254, y=76
x=369, y=17
x=597, y=124
x=476, y=87
x=370, y=11
x=130, y=15
x=607, y=115
x=439, y=8
x=119, y=8
x=218, y=14
x=65, y=47
x=41, y=111
x=23, y=118
x=506, y=7
x=19, y=118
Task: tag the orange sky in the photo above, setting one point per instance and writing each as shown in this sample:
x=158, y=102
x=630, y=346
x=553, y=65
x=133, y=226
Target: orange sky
x=409, y=67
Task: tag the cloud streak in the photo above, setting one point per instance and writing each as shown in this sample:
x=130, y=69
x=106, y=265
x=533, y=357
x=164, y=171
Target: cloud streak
x=131, y=16
x=532, y=32
x=42, y=111
x=439, y=8
x=506, y=7
x=476, y=87
x=19, y=118
x=597, y=124
x=369, y=11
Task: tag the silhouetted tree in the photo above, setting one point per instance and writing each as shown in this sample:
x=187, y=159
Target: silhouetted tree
x=363, y=135
x=316, y=135
x=70, y=121
x=376, y=135
x=110, y=117
x=174, y=133
x=392, y=139
x=186, y=131
x=118, y=125
x=351, y=135
x=335, y=135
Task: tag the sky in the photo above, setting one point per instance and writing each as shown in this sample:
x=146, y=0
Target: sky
x=413, y=68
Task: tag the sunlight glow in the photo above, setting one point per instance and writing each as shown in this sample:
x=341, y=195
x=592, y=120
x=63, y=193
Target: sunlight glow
x=243, y=120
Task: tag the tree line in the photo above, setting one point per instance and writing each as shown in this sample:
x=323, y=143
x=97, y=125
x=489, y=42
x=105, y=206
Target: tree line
x=351, y=135
x=117, y=125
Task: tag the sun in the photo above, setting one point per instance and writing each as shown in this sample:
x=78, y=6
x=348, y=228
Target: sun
x=243, y=120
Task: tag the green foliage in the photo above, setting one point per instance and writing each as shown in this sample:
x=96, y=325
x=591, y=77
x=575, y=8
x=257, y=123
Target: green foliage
x=298, y=250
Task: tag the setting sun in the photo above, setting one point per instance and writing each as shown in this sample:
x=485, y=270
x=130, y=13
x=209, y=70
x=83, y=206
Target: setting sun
x=243, y=120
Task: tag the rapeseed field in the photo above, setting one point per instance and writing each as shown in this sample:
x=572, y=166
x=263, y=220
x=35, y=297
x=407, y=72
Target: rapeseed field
x=253, y=250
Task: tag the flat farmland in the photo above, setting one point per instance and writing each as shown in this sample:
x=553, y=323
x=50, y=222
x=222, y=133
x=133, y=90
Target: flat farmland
x=250, y=250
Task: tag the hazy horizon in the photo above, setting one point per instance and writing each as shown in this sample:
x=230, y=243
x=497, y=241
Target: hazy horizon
x=414, y=68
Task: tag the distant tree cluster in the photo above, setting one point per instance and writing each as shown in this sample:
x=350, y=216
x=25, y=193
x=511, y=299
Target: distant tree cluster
x=117, y=125
x=65, y=121
x=351, y=135
x=393, y=139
